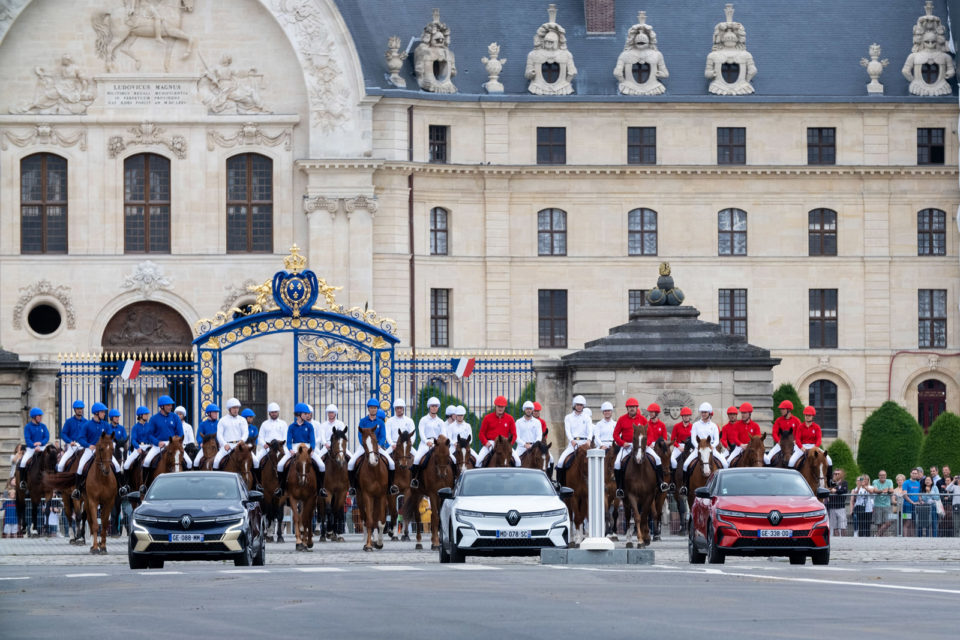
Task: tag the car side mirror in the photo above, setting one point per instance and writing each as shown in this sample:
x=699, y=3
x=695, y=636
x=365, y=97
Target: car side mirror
x=565, y=492
x=445, y=494
x=823, y=494
x=255, y=496
x=133, y=495
x=702, y=492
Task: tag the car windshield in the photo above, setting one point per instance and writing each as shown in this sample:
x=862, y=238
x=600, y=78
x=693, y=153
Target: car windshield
x=178, y=487
x=505, y=484
x=763, y=483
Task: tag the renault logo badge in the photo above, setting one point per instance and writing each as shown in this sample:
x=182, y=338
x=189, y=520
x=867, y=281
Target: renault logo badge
x=775, y=517
x=186, y=521
x=513, y=517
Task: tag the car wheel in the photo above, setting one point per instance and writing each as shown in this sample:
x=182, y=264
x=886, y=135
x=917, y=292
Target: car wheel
x=714, y=554
x=456, y=555
x=136, y=562
x=693, y=554
x=798, y=558
x=245, y=559
x=820, y=557
x=260, y=558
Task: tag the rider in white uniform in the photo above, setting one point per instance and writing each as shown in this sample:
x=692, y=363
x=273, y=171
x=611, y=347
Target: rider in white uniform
x=701, y=429
x=603, y=429
x=461, y=429
x=529, y=430
x=398, y=423
x=231, y=430
x=579, y=431
x=188, y=437
x=430, y=428
x=273, y=428
x=448, y=428
x=325, y=432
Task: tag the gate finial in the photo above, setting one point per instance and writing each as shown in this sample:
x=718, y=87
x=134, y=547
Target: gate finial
x=294, y=263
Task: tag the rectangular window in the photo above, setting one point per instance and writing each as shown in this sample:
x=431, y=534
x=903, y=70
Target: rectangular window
x=438, y=231
x=551, y=145
x=732, y=232
x=249, y=204
x=821, y=145
x=822, y=232
x=43, y=204
x=733, y=311
x=931, y=232
x=146, y=204
x=641, y=145
x=823, y=318
x=638, y=300
x=642, y=232
x=552, y=315
x=439, y=317
x=731, y=145
x=930, y=146
x=932, y=318
x=439, y=136
x=552, y=232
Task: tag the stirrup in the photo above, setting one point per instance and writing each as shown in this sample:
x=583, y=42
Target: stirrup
x=394, y=490
x=352, y=492
x=323, y=493
x=76, y=494
x=123, y=490
x=278, y=492
x=414, y=483
x=620, y=493
x=23, y=485
x=664, y=487
x=683, y=491
x=672, y=487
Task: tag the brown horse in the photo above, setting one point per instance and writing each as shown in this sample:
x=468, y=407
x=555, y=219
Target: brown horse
x=576, y=479
x=787, y=443
x=302, y=491
x=752, y=454
x=372, y=490
x=703, y=468
x=436, y=474
x=537, y=456
x=240, y=461
x=501, y=455
x=209, y=446
x=272, y=504
x=72, y=507
x=171, y=460
x=45, y=460
x=643, y=499
x=402, y=460
x=813, y=467
x=337, y=482
x=463, y=456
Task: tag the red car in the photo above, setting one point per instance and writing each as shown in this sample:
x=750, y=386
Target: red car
x=759, y=511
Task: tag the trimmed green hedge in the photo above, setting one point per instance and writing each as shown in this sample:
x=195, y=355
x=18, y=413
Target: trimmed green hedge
x=890, y=440
x=787, y=392
x=842, y=458
x=942, y=444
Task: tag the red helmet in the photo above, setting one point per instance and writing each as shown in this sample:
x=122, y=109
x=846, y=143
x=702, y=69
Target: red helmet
x=786, y=404
x=732, y=411
x=746, y=407
x=809, y=411
x=499, y=401
x=653, y=408
x=686, y=411
x=537, y=406
x=632, y=402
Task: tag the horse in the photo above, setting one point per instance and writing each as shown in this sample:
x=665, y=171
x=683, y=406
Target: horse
x=813, y=467
x=118, y=30
x=576, y=479
x=402, y=460
x=372, y=489
x=302, y=491
x=170, y=460
x=752, y=454
x=787, y=443
x=537, y=456
x=501, y=455
x=73, y=508
x=611, y=502
x=209, y=446
x=44, y=461
x=436, y=474
x=272, y=504
x=463, y=456
x=240, y=461
x=337, y=482
x=701, y=472
x=643, y=499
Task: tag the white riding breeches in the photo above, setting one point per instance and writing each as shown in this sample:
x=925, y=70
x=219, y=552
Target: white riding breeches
x=624, y=452
x=157, y=450
x=71, y=449
x=674, y=456
x=799, y=452
x=570, y=449
x=133, y=455
x=773, y=451
x=485, y=451
x=695, y=455
x=356, y=455
x=26, y=457
x=88, y=456
x=290, y=454
x=737, y=450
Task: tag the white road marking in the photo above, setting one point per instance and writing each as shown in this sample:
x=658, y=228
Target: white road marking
x=473, y=567
x=914, y=570
x=395, y=567
x=822, y=568
x=17, y=578
x=160, y=573
x=86, y=575
x=319, y=569
x=244, y=571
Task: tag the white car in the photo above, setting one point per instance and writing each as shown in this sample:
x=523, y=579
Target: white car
x=502, y=511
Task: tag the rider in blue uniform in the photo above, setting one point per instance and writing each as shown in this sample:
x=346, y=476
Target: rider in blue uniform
x=301, y=431
x=92, y=430
x=252, y=430
x=139, y=438
x=36, y=436
x=72, y=428
x=164, y=425
x=208, y=427
x=372, y=421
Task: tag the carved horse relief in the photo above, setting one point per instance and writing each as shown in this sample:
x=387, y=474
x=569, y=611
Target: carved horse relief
x=158, y=20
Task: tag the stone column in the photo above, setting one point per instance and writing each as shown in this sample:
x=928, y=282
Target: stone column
x=13, y=387
x=321, y=248
x=360, y=212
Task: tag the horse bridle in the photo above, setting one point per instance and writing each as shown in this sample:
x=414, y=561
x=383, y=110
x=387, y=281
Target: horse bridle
x=104, y=467
x=302, y=473
x=405, y=460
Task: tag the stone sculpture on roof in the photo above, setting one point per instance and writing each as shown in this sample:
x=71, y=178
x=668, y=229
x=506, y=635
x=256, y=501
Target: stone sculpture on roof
x=395, y=59
x=874, y=67
x=493, y=66
x=929, y=66
x=730, y=67
x=550, y=67
x=433, y=61
x=640, y=67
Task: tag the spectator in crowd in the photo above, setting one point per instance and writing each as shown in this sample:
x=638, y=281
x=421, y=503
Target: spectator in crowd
x=911, y=496
x=896, y=500
x=53, y=522
x=882, y=489
x=862, y=507
x=935, y=475
x=15, y=458
x=837, y=503
x=943, y=482
x=10, y=528
x=952, y=488
x=927, y=513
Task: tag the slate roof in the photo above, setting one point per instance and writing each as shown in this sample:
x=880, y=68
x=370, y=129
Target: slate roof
x=806, y=51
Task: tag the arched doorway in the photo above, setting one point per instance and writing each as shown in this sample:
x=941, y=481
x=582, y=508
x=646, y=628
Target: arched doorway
x=931, y=402
x=147, y=327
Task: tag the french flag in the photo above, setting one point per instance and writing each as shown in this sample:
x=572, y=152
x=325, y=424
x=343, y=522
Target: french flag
x=463, y=367
x=131, y=369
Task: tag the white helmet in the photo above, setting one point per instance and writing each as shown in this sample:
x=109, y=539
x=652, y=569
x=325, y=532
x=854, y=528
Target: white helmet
x=579, y=400
x=332, y=408
x=606, y=406
x=527, y=405
x=706, y=406
x=587, y=412
x=273, y=406
x=232, y=402
x=460, y=411
x=180, y=410
x=433, y=402
x=450, y=409
x=310, y=409
x=399, y=403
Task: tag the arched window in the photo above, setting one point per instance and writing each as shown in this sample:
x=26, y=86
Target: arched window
x=732, y=232
x=931, y=233
x=931, y=401
x=823, y=397
x=642, y=232
x=249, y=204
x=43, y=204
x=438, y=231
x=552, y=232
x=822, y=232
x=250, y=388
x=146, y=204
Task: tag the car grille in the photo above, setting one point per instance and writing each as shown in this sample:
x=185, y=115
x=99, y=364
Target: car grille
x=774, y=543
x=493, y=533
x=177, y=547
x=173, y=524
x=512, y=542
x=752, y=533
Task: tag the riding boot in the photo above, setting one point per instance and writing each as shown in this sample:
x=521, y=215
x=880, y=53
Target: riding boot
x=618, y=477
x=353, y=483
x=830, y=482
x=22, y=483
x=663, y=485
x=550, y=469
x=561, y=476
x=394, y=489
x=322, y=491
x=415, y=476
x=282, y=481
x=122, y=488
x=686, y=480
x=256, y=478
x=78, y=489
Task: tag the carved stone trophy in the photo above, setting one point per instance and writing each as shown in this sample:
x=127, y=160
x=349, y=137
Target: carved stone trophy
x=550, y=67
x=640, y=67
x=433, y=61
x=929, y=66
x=730, y=66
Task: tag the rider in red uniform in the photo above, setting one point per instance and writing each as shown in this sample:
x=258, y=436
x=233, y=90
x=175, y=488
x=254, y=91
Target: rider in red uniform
x=747, y=426
x=680, y=436
x=730, y=432
x=786, y=421
x=809, y=435
x=537, y=408
x=497, y=423
x=623, y=436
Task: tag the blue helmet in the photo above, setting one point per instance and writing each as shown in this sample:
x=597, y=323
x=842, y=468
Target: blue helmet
x=248, y=413
x=165, y=400
x=114, y=413
x=372, y=402
x=36, y=411
x=381, y=414
x=212, y=408
x=142, y=411
x=302, y=407
x=78, y=404
x=98, y=407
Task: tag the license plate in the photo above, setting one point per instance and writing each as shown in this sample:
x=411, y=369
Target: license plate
x=186, y=537
x=776, y=533
x=514, y=533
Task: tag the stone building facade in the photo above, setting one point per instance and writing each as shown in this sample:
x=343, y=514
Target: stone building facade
x=230, y=131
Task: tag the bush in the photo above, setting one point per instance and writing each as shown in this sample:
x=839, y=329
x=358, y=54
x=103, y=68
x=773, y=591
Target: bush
x=942, y=444
x=842, y=458
x=445, y=399
x=516, y=408
x=890, y=440
x=787, y=392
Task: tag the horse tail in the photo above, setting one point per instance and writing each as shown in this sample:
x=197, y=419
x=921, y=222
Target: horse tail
x=101, y=22
x=59, y=481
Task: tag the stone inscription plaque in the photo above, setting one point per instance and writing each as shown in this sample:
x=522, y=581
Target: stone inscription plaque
x=145, y=94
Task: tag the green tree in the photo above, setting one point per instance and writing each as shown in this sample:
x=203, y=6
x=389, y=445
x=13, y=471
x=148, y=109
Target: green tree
x=787, y=392
x=445, y=400
x=942, y=444
x=842, y=458
x=890, y=440
x=529, y=393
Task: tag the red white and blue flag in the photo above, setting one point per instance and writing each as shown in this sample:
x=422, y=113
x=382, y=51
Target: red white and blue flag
x=130, y=370
x=463, y=367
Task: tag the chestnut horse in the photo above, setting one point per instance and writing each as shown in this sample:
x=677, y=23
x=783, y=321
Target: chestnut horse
x=787, y=442
x=501, y=455
x=372, y=489
x=702, y=469
x=402, y=460
x=72, y=507
x=611, y=502
x=337, y=482
x=752, y=454
x=537, y=456
x=272, y=503
x=46, y=460
x=643, y=499
x=171, y=460
x=209, y=446
x=576, y=479
x=240, y=461
x=813, y=467
x=436, y=474
x=302, y=491
x=463, y=456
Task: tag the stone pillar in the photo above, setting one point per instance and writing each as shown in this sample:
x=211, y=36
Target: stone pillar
x=13, y=389
x=553, y=392
x=360, y=212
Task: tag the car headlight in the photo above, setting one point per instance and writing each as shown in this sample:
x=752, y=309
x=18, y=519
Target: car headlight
x=732, y=514
x=233, y=518
x=462, y=513
x=556, y=513
x=135, y=524
x=140, y=518
x=819, y=513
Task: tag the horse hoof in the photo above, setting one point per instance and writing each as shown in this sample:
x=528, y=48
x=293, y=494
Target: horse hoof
x=268, y=539
x=378, y=545
x=339, y=538
x=629, y=545
x=404, y=538
x=613, y=537
x=310, y=545
x=103, y=551
x=367, y=547
x=280, y=540
x=656, y=538
x=94, y=551
x=419, y=547
x=434, y=547
x=299, y=547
